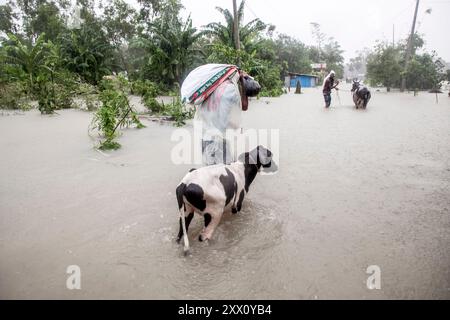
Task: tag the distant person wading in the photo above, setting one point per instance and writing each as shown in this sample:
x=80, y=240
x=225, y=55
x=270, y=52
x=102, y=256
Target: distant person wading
x=328, y=85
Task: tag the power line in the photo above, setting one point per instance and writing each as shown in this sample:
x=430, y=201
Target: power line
x=248, y=7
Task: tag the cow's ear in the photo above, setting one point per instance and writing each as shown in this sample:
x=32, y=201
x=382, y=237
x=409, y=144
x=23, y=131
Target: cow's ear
x=249, y=157
x=243, y=157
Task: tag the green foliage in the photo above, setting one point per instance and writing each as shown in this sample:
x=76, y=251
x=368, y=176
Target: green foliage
x=119, y=21
x=105, y=119
x=291, y=55
x=264, y=71
x=268, y=76
x=168, y=50
x=55, y=91
x=115, y=111
x=88, y=93
x=257, y=56
x=56, y=85
x=224, y=34
x=332, y=55
x=46, y=20
x=178, y=112
x=383, y=66
x=86, y=51
x=152, y=104
x=46, y=99
x=145, y=88
x=423, y=72
x=386, y=66
x=275, y=92
x=40, y=67
x=109, y=145
x=7, y=17
x=11, y=96
x=29, y=59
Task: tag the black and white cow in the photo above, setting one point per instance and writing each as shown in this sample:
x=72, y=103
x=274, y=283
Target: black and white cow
x=361, y=95
x=214, y=190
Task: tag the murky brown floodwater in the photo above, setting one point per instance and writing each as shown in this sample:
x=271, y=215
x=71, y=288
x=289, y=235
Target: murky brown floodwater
x=355, y=188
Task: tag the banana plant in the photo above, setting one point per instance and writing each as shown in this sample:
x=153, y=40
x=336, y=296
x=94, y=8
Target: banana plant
x=87, y=54
x=28, y=58
x=169, y=48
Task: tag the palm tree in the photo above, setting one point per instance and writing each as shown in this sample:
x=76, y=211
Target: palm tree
x=225, y=33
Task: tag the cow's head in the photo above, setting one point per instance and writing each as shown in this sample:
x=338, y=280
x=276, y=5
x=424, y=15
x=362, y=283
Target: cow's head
x=355, y=85
x=261, y=158
x=250, y=85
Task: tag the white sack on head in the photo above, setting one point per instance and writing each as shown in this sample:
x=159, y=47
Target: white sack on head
x=202, y=81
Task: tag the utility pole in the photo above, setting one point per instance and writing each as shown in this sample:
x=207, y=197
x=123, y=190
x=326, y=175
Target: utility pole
x=237, y=43
x=410, y=47
x=393, y=35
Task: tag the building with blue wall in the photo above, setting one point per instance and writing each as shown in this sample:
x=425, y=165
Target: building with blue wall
x=306, y=80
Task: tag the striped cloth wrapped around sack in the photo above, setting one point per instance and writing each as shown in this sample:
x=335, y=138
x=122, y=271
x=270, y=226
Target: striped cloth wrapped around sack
x=204, y=80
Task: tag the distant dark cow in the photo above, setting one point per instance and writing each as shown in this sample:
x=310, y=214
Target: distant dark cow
x=361, y=95
x=213, y=190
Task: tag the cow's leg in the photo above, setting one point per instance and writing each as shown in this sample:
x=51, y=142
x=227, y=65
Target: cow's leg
x=207, y=217
x=210, y=225
x=188, y=220
x=355, y=101
x=359, y=103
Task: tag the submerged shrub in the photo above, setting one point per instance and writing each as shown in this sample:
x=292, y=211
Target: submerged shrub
x=176, y=110
x=115, y=111
x=179, y=112
x=46, y=100
x=145, y=88
x=89, y=95
x=53, y=96
x=275, y=92
x=152, y=104
x=12, y=96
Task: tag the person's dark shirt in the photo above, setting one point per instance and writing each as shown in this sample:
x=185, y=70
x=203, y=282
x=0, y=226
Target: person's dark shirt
x=328, y=85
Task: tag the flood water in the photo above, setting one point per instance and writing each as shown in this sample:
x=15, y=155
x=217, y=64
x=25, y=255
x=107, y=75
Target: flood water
x=355, y=188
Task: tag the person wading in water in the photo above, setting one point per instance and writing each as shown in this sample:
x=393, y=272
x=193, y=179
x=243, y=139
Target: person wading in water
x=328, y=85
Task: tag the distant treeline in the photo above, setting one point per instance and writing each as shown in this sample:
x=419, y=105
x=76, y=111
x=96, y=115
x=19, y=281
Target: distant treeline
x=385, y=65
x=44, y=41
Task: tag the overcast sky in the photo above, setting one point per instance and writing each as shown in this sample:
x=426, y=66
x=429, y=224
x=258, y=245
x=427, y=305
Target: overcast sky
x=355, y=24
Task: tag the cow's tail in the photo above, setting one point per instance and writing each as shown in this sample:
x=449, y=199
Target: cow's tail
x=181, y=207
